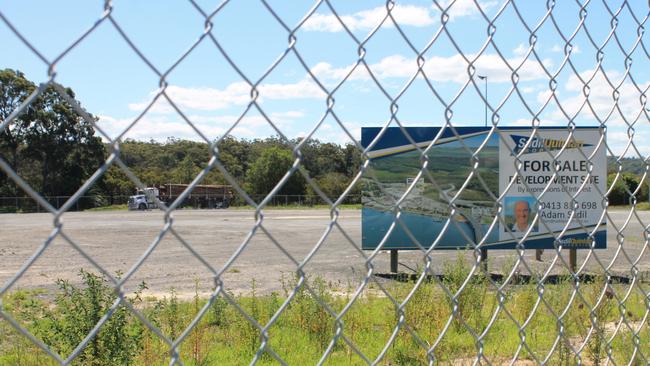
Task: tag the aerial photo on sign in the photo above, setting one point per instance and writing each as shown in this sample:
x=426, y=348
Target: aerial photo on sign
x=547, y=182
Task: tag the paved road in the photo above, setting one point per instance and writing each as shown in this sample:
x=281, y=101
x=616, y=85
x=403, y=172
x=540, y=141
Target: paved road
x=117, y=239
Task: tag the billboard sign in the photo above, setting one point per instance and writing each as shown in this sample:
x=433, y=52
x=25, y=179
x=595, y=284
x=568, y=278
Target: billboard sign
x=537, y=199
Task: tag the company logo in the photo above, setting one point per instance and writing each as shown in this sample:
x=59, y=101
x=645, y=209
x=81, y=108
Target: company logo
x=541, y=144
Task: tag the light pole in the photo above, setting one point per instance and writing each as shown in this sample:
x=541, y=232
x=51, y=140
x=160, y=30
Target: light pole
x=484, y=252
x=484, y=77
x=648, y=110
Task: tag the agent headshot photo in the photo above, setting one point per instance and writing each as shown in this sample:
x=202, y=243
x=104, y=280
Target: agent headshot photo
x=518, y=218
x=522, y=213
x=519, y=215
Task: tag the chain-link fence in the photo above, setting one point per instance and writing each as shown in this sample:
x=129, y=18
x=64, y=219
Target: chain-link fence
x=26, y=204
x=592, y=317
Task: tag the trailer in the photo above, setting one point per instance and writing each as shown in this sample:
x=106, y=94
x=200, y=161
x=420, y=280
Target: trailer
x=201, y=196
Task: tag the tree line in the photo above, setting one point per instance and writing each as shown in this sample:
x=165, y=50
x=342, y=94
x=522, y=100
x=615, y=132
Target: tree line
x=55, y=151
x=256, y=165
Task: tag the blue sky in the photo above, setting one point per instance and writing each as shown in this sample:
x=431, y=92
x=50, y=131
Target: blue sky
x=115, y=84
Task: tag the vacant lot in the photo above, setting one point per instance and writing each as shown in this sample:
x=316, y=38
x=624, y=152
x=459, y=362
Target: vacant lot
x=116, y=240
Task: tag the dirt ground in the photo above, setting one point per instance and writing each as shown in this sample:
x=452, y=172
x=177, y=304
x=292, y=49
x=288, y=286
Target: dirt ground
x=116, y=240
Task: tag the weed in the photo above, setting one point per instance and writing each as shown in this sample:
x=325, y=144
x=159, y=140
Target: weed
x=171, y=315
x=198, y=333
x=218, y=309
x=250, y=332
x=76, y=311
x=273, y=304
x=305, y=329
x=602, y=311
x=470, y=300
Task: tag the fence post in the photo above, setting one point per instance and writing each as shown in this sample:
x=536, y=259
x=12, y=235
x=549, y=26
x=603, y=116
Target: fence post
x=484, y=259
x=573, y=254
x=393, y=260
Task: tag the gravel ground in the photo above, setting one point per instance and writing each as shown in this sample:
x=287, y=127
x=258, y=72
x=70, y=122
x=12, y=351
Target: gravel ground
x=117, y=239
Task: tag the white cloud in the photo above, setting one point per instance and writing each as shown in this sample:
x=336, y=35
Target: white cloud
x=153, y=127
x=409, y=15
x=235, y=94
x=602, y=101
x=444, y=69
x=160, y=127
x=520, y=50
x=600, y=97
x=205, y=99
x=464, y=8
x=412, y=15
x=528, y=89
x=618, y=141
x=450, y=69
x=278, y=118
x=528, y=122
x=327, y=71
x=302, y=89
x=557, y=48
x=339, y=136
x=287, y=115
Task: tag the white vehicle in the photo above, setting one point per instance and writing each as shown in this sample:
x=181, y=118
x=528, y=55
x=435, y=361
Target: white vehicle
x=144, y=200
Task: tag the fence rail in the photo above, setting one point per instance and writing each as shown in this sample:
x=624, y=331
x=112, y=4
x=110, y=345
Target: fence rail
x=29, y=205
x=600, y=322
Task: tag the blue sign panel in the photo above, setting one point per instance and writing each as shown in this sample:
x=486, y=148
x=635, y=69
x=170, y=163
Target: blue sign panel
x=540, y=188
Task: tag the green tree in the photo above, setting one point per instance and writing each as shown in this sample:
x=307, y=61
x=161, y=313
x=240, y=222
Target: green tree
x=625, y=185
x=50, y=145
x=235, y=155
x=63, y=144
x=186, y=171
x=333, y=185
x=353, y=160
x=322, y=158
x=116, y=183
x=269, y=169
x=14, y=89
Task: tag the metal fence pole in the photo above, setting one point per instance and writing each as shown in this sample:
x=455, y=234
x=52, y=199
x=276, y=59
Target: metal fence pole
x=394, y=257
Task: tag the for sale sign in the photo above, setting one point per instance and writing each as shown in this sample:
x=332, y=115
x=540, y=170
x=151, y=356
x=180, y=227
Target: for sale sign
x=539, y=188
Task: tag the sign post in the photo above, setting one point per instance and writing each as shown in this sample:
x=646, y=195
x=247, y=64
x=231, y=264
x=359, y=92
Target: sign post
x=393, y=261
x=573, y=254
x=504, y=189
x=484, y=261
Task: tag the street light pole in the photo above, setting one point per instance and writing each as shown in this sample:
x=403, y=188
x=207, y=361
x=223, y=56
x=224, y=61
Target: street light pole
x=484, y=77
x=484, y=252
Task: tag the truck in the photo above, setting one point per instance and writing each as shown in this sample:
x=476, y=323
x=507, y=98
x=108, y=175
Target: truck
x=202, y=196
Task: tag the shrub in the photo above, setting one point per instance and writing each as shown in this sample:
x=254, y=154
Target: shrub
x=75, y=313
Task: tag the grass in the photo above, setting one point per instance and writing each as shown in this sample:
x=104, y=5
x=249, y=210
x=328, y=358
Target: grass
x=304, y=331
x=123, y=207
x=345, y=206
x=279, y=207
x=641, y=206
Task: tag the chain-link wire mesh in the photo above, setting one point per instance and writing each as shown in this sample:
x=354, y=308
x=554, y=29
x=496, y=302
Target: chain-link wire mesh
x=634, y=332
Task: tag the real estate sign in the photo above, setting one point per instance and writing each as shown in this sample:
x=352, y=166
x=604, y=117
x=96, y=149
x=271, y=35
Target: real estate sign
x=541, y=188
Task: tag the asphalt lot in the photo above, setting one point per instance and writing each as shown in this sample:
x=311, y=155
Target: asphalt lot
x=117, y=239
